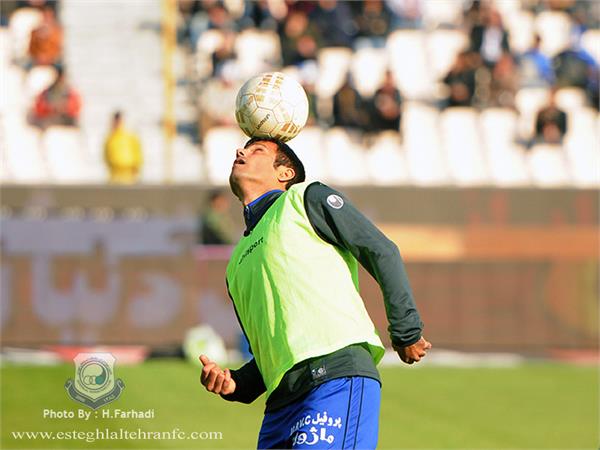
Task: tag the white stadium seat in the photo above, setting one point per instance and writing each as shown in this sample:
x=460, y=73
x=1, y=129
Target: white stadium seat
x=521, y=30
x=462, y=145
x=21, y=23
x=528, y=102
x=344, y=156
x=66, y=155
x=590, y=41
x=422, y=144
x=582, y=147
x=220, y=144
x=38, y=79
x=570, y=98
x=506, y=160
x=548, y=166
x=309, y=145
x=23, y=155
x=442, y=48
x=442, y=12
x=554, y=28
x=256, y=51
x=334, y=63
x=408, y=62
x=385, y=160
x=368, y=70
x=187, y=161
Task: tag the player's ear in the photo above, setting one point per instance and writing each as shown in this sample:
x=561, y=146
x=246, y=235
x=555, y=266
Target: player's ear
x=285, y=174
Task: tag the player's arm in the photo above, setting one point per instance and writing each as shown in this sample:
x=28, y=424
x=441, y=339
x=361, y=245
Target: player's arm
x=242, y=385
x=342, y=225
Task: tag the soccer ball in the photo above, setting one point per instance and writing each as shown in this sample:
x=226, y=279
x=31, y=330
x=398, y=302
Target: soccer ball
x=271, y=105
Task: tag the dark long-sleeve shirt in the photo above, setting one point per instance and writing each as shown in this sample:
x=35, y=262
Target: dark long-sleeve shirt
x=341, y=225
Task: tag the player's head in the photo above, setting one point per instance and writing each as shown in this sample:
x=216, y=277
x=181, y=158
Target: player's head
x=265, y=163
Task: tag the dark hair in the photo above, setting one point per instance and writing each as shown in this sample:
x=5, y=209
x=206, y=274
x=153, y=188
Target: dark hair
x=285, y=157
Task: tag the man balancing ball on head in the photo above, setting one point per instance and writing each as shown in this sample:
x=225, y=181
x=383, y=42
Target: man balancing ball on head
x=293, y=279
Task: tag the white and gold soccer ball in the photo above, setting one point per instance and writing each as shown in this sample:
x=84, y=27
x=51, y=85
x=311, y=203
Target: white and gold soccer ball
x=271, y=105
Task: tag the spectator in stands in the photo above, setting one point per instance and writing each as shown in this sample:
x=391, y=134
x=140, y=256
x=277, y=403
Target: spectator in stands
x=386, y=106
x=224, y=53
x=217, y=99
x=574, y=67
x=122, y=152
x=535, y=68
x=372, y=20
x=550, y=123
x=216, y=226
x=45, y=45
x=504, y=83
x=460, y=80
x=299, y=39
x=349, y=108
x=489, y=37
x=60, y=104
x=334, y=20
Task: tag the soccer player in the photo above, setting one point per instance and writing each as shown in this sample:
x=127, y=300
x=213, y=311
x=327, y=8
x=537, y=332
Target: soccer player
x=293, y=279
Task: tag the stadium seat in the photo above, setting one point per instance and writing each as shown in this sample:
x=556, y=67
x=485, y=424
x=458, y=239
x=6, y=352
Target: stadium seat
x=207, y=44
x=219, y=146
x=38, y=79
x=187, y=161
x=368, y=70
x=521, y=30
x=344, y=157
x=506, y=160
x=590, y=41
x=153, y=146
x=462, y=146
x=66, y=155
x=334, y=63
x=23, y=155
x=548, y=166
x=554, y=28
x=570, y=98
x=442, y=48
x=310, y=148
x=256, y=51
x=422, y=144
x=21, y=23
x=441, y=12
x=12, y=97
x=385, y=160
x=528, y=102
x=582, y=144
x=408, y=62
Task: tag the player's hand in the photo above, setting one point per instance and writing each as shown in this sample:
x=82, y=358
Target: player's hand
x=214, y=379
x=413, y=353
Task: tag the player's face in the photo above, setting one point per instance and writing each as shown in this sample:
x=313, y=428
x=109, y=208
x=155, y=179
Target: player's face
x=254, y=164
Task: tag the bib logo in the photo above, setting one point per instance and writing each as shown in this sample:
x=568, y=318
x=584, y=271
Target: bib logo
x=94, y=384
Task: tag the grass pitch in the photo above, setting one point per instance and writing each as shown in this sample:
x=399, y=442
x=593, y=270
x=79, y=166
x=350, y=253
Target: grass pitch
x=531, y=406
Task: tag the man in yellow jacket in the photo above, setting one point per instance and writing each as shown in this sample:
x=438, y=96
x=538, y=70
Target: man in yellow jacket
x=122, y=153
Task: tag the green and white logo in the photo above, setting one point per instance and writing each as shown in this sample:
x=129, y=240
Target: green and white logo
x=94, y=384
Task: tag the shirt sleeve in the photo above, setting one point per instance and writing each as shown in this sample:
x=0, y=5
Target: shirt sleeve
x=339, y=223
x=249, y=384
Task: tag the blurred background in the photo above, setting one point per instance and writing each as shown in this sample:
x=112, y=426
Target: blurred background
x=468, y=131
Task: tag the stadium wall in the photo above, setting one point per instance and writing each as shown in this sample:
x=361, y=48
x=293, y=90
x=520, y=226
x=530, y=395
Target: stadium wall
x=492, y=270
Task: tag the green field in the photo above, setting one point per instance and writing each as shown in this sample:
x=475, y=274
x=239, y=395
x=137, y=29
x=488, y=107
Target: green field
x=532, y=406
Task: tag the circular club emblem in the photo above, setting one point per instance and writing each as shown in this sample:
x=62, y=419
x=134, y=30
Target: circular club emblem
x=335, y=201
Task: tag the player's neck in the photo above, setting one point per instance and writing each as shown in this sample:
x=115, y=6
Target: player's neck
x=250, y=193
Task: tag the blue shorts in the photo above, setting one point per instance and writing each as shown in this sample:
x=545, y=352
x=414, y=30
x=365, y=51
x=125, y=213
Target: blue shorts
x=340, y=413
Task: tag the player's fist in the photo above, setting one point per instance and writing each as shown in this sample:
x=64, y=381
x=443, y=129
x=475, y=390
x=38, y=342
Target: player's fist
x=413, y=353
x=214, y=379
